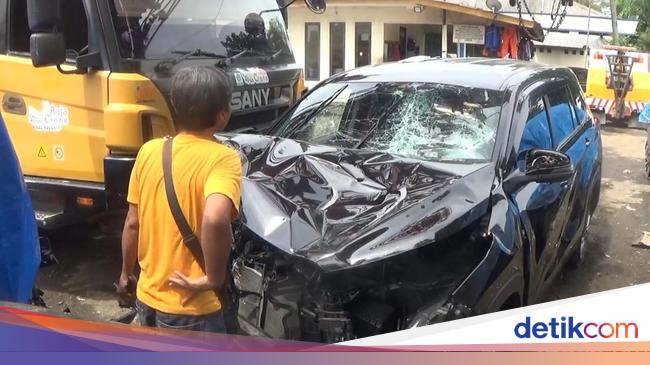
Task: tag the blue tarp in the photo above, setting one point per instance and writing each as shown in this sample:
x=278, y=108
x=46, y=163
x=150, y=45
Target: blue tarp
x=644, y=117
x=20, y=254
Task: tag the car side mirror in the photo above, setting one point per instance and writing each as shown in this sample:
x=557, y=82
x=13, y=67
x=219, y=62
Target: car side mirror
x=541, y=166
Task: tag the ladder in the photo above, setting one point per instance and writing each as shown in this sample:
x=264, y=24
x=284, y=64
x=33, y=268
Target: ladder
x=620, y=78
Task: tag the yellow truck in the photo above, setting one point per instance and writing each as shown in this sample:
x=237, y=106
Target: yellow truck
x=618, y=83
x=84, y=83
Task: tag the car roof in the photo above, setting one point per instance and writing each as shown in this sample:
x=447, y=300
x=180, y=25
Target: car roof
x=484, y=73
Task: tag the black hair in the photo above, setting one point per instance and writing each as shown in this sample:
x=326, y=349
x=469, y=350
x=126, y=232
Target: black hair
x=198, y=94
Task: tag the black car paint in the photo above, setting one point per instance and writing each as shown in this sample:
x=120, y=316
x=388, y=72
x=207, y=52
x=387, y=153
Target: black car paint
x=296, y=180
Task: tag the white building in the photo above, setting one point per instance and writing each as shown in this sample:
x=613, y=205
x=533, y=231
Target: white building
x=359, y=32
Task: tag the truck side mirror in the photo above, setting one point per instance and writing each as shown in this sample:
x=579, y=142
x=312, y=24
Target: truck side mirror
x=44, y=15
x=47, y=49
x=47, y=45
x=317, y=6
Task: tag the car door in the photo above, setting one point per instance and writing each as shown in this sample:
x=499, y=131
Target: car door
x=582, y=146
x=55, y=120
x=542, y=206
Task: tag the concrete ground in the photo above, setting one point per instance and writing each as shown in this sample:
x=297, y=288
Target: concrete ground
x=89, y=262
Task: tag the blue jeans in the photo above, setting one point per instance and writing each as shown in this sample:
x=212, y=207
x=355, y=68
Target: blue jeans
x=149, y=317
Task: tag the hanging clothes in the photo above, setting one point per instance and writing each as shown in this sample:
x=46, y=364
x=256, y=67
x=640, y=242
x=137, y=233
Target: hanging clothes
x=492, y=41
x=510, y=43
x=526, y=49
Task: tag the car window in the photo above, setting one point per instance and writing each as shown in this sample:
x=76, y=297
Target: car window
x=562, y=115
x=536, y=132
x=580, y=106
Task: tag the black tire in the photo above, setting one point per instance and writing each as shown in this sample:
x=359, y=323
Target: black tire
x=578, y=254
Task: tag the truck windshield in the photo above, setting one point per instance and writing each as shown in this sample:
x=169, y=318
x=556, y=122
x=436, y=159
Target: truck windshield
x=159, y=29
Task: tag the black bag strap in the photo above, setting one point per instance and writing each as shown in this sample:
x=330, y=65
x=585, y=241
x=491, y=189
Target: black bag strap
x=190, y=239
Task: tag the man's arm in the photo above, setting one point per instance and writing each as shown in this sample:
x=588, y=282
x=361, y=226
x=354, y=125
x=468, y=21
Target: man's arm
x=216, y=238
x=129, y=252
x=216, y=242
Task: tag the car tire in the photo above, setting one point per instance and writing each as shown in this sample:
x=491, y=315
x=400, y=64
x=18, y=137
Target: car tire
x=578, y=254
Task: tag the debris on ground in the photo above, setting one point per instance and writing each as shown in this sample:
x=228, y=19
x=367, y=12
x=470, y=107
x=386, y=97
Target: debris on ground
x=644, y=241
x=628, y=207
x=627, y=171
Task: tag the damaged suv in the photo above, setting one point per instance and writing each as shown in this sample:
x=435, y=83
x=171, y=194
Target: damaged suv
x=406, y=194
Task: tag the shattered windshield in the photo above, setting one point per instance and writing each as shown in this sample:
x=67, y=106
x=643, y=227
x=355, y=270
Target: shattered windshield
x=156, y=29
x=427, y=121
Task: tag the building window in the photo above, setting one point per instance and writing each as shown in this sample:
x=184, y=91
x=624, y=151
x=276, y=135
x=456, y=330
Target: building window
x=582, y=52
x=574, y=52
x=337, y=48
x=566, y=51
x=312, y=51
x=363, y=39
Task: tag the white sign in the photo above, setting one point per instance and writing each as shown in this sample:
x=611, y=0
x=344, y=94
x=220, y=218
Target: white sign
x=51, y=118
x=472, y=34
x=251, y=76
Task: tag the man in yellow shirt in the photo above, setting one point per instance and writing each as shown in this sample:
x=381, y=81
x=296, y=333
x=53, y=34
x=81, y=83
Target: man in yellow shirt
x=172, y=289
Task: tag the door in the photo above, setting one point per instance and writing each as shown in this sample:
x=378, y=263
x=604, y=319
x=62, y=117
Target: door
x=55, y=120
x=542, y=206
x=576, y=135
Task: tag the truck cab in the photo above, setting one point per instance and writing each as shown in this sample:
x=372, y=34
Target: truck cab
x=86, y=82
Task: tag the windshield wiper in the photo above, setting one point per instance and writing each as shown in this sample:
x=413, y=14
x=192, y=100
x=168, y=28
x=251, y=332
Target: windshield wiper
x=380, y=121
x=316, y=110
x=227, y=61
x=272, y=57
x=166, y=65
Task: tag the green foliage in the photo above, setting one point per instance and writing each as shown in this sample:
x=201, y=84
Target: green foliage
x=637, y=9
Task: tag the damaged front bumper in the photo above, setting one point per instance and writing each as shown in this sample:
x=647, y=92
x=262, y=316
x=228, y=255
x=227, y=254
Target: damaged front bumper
x=282, y=296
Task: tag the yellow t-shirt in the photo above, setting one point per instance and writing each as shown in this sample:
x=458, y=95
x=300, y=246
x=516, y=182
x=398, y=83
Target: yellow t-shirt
x=200, y=168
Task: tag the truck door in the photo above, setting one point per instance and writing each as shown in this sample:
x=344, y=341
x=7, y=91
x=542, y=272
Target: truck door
x=55, y=120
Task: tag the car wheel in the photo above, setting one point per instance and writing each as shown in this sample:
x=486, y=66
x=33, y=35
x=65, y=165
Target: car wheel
x=578, y=254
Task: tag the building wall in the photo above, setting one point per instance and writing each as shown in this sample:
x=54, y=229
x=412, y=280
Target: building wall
x=557, y=57
x=377, y=15
x=386, y=21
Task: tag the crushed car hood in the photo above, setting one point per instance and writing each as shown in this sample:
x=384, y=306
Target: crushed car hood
x=341, y=207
